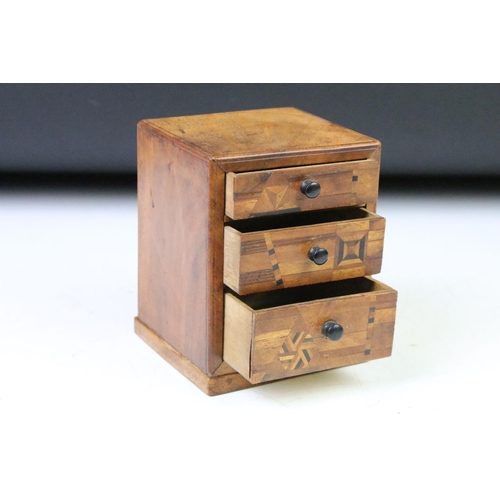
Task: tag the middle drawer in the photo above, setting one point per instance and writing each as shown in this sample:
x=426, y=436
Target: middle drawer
x=302, y=249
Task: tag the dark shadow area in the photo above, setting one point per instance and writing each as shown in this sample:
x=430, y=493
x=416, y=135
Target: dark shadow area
x=67, y=182
x=425, y=129
x=127, y=183
x=439, y=185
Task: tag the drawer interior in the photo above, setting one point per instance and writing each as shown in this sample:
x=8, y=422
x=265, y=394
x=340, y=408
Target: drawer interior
x=287, y=296
x=281, y=334
x=299, y=219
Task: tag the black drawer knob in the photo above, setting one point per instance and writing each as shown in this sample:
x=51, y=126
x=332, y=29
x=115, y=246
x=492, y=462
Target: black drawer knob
x=332, y=330
x=318, y=255
x=310, y=188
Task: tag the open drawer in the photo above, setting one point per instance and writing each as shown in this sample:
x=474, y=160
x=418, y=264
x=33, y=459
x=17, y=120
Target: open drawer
x=280, y=334
x=296, y=189
x=302, y=249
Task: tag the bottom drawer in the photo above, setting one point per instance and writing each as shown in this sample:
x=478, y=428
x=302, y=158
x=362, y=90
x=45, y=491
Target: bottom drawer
x=284, y=333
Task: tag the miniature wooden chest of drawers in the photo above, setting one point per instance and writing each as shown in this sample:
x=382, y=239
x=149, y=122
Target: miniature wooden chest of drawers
x=257, y=236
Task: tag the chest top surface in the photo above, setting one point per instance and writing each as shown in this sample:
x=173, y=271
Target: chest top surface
x=261, y=133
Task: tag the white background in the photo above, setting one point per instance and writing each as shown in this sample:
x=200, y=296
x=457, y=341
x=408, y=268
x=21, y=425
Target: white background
x=87, y=410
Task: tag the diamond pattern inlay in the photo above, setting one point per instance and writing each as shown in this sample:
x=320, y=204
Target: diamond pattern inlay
x=351, y=250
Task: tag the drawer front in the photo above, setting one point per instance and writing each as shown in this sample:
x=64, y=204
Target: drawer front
x=270, y=192
x=281, y=258
x=289, y=340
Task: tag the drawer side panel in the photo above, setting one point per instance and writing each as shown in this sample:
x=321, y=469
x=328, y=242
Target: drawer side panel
x=238, y=326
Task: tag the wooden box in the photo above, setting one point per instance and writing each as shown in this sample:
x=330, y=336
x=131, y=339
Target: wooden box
x=257, y=231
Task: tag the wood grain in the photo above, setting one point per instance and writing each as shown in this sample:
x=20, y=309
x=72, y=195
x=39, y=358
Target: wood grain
x=253, y=162
x=287, y=340
x=269, y=260
x=180, y=199
x=237, y=347
x=270, y=192
x=240, y=141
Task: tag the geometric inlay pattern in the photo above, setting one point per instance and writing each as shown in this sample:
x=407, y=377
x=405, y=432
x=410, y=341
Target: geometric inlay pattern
x=294, y=353
x=351, y=250
x=285, y=342
x=274, y=261
x=274, y=198
x=369, y=327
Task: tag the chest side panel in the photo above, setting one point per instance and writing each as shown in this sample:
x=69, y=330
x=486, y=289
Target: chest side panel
x=180, y=199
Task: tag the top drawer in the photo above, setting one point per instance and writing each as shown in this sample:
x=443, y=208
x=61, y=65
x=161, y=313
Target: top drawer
x=296, y=189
